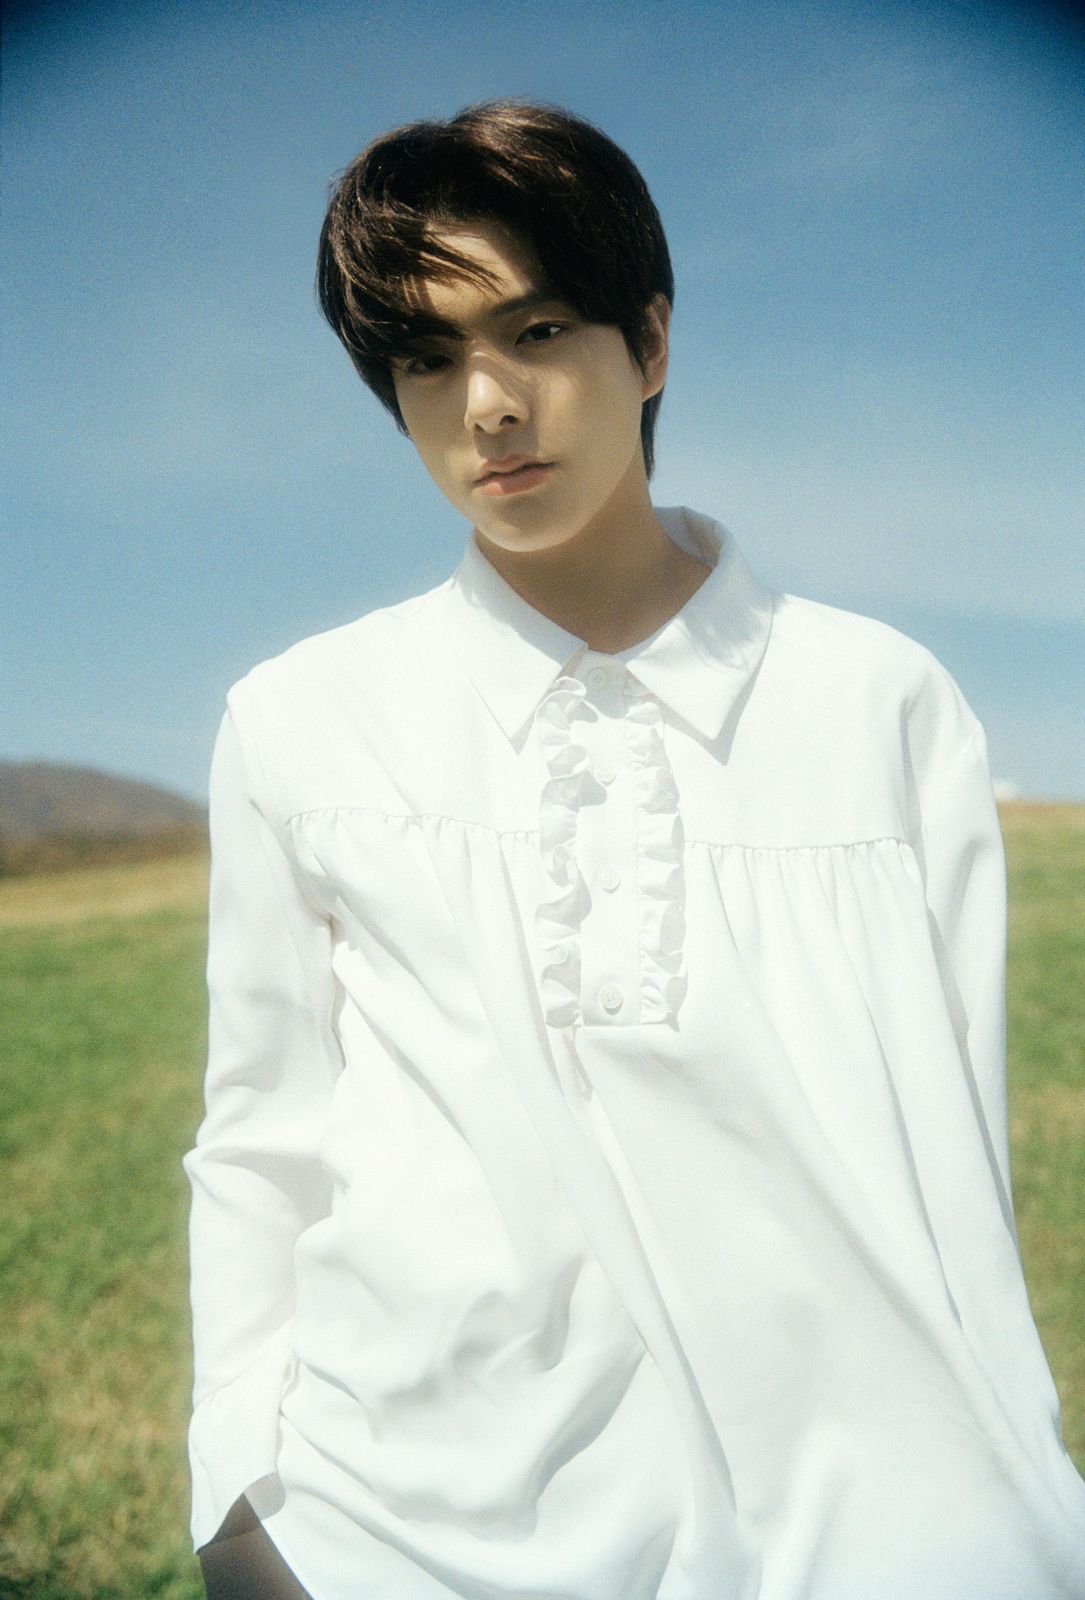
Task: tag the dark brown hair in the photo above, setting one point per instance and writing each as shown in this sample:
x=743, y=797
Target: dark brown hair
x=553, y=179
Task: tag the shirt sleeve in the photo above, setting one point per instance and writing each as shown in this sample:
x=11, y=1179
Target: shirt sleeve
x=257, y=1180
x=966, y=894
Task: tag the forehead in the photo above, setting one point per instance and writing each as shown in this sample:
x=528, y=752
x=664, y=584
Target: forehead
x=509, y=261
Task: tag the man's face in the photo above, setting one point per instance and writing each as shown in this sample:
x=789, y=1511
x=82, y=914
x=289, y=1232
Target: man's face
x=528, y=418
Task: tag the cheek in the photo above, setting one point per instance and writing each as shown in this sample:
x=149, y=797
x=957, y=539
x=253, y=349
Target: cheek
x=609, y=415
x=424, y=405
x=604, y=405
x=429, y=433
x=616, y=378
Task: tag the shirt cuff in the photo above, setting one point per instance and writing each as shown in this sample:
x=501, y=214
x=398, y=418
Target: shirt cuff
x=233, y=1438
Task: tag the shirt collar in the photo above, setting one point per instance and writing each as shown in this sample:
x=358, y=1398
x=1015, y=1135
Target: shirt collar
x=697, y=663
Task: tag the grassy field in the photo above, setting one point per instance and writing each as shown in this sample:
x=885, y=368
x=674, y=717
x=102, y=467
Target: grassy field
x=1045, y=852
x=102, y=999
x=102, y=1009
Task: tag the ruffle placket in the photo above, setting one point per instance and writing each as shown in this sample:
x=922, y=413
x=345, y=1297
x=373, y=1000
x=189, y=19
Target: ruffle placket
x=560, y=915
x=660, y=871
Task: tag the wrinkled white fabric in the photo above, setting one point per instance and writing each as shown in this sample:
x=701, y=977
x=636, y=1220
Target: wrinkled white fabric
x=604, y=1191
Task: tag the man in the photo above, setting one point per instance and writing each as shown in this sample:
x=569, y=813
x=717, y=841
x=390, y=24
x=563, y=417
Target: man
x=604, y=1188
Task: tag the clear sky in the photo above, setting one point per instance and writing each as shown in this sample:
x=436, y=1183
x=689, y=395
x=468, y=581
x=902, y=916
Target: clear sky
x=875, y=213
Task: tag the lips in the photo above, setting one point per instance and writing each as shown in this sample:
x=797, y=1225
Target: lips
x=505, y=465
x=513, y=475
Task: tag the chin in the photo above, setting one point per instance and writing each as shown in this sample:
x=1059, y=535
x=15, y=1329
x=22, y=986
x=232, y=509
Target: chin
x=520, y=539
x=533, y=524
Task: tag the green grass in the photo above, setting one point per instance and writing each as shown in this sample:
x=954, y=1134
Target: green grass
x=1045, y=850
x=102, y=1009
x=100, y=1097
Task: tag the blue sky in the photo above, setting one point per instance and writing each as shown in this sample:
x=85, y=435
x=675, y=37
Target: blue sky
x=876, y=222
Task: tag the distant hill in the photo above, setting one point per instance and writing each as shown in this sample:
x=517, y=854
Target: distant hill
x=53, y=816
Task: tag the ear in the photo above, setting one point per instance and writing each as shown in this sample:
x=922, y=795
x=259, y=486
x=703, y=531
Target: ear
x=656, y=346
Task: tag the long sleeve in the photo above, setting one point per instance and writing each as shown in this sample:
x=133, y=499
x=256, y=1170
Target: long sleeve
x=966, y=893
x=256, y=1179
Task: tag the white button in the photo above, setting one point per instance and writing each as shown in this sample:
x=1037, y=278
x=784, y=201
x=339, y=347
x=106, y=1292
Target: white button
x=609, y=878
x=605, y=772
x=611, y=997
x=598, y=677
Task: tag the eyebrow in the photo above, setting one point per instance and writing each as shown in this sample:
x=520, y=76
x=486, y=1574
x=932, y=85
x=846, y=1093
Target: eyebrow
x=524, y=302
x=437, y=327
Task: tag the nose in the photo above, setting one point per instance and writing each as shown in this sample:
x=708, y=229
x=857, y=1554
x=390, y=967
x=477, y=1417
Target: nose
x=493, y=402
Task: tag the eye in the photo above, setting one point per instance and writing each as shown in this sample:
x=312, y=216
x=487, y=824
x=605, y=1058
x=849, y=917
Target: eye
x=422, y=363
x=539, y=332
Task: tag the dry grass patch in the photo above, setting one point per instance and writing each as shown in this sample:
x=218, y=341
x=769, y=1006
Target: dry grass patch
x=176, y=883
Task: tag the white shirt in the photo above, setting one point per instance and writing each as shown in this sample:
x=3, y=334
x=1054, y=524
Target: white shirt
x=603, y=1192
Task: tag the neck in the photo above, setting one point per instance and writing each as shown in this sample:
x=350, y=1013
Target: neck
x=613, y=584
